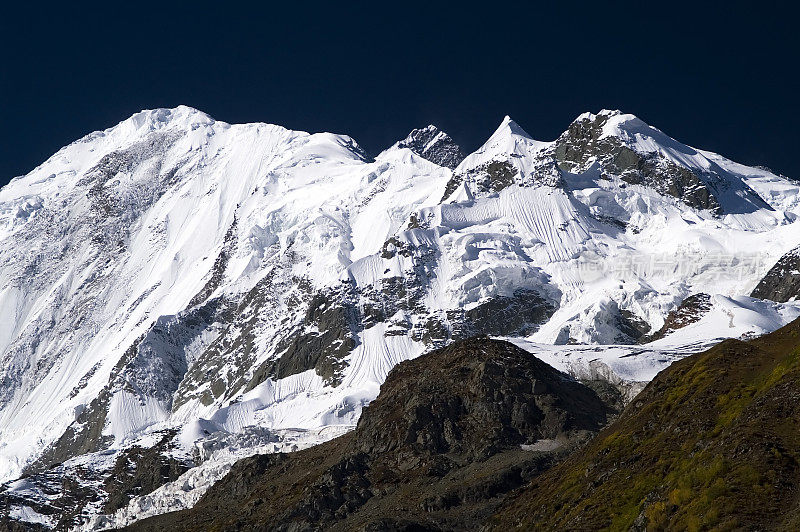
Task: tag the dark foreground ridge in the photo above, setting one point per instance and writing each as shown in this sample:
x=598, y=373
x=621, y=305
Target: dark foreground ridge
x=711, y=444
x=449, y=435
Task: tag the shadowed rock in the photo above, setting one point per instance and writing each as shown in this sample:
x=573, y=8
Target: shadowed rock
x=782, y=282
x=434, y=145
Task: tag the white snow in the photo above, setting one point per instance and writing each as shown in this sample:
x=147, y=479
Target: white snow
x=27, y=514
x=184, y=492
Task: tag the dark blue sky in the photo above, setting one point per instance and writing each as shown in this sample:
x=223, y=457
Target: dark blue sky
x=720, y=77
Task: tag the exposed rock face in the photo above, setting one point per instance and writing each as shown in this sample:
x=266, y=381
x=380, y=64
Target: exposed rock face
x=631, y=327
x=782, y=282
x=584, y=144
x=516, y=315
x=495, y=175
x=689, y=311
x=711, y=443
x=325, y=338
x=138, y=471
x=477, y=396
x=68, y=493
x=449, y=435
x=434, y=145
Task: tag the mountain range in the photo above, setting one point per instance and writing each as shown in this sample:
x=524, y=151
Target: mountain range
x=179, y=293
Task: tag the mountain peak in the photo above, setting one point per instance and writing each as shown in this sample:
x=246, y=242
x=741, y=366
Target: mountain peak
x=433, y=144
x=508, y=140
x=161, y=117
x=622, y=145
x=507, y=157
x=509, y=126
x=616, y=123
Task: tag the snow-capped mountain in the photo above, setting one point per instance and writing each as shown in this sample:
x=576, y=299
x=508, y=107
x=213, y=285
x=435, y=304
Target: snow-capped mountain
x=434, y=145
x=230, y=284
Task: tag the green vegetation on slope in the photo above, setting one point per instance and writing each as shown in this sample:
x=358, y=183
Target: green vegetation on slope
x=711, y=444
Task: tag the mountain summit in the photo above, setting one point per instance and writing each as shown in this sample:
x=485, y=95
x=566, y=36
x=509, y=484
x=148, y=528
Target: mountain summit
x=434, y=145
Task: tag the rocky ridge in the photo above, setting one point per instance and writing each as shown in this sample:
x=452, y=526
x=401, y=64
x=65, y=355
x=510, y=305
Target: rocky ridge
x=450, y=434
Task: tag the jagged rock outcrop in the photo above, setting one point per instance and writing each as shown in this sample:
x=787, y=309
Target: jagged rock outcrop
x=609, y=144
x=691, y=310
x=434, y=145
x=782, y=281
x=68, y=494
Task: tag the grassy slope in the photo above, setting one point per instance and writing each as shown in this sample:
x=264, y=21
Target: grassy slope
x=711, y=444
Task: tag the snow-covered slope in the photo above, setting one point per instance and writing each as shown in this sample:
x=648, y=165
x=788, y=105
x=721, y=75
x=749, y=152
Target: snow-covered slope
x=176, y=273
